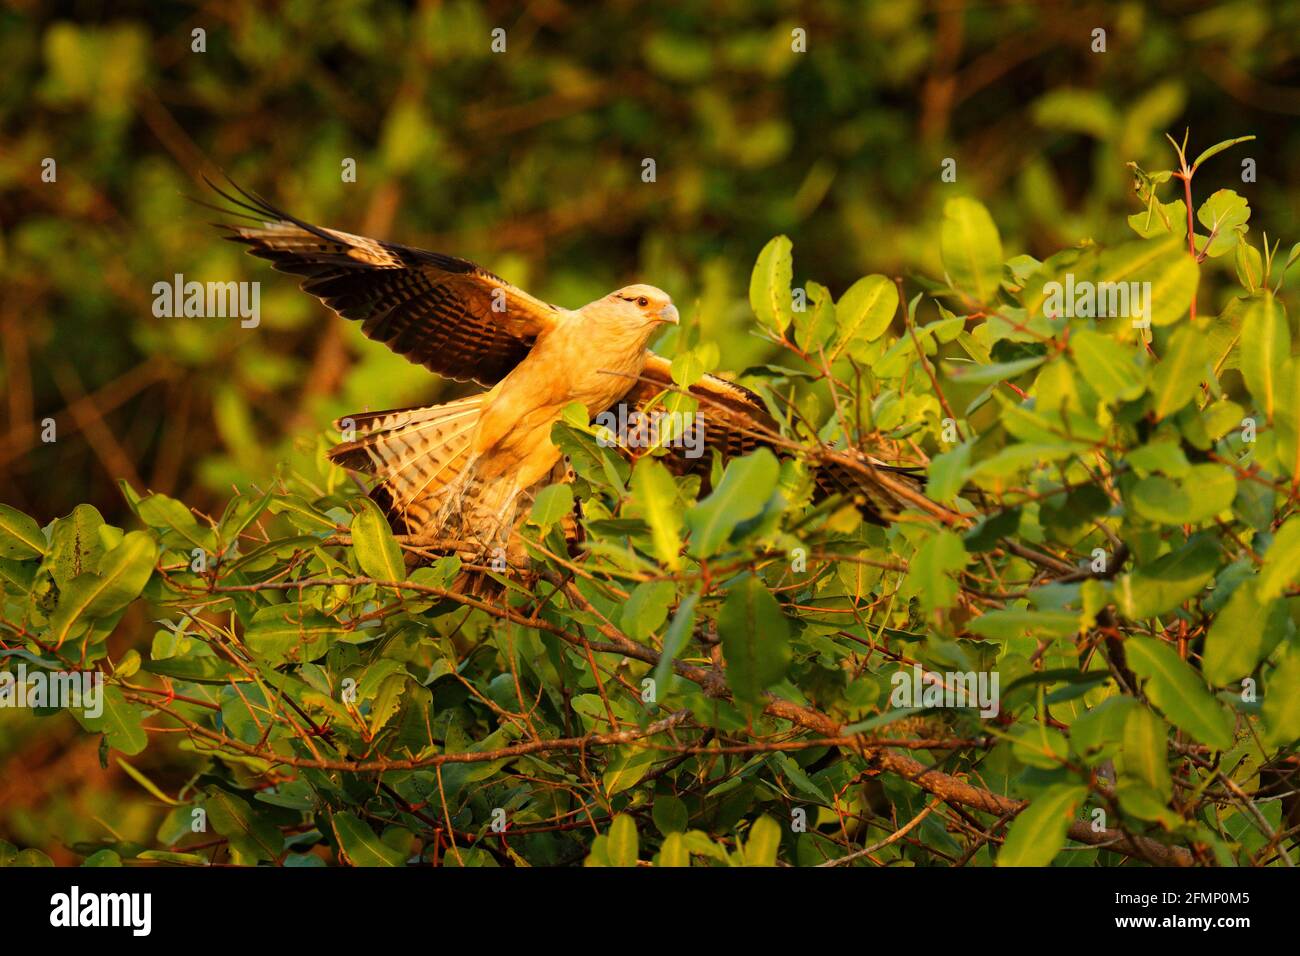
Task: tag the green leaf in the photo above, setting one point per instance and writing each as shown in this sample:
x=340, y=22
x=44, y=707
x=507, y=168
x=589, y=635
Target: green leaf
x=929, y=574
x=1004, y=625
x=815, y=325
x=167, y=856
x=240, y=513
x=120, y=721
x=746, y=486
x=1249, y=265
x=1265, y=347
x=377, y=551
x=675, y=638
x=864, y=313
x=970, y=373
x=670, y=814
x=249, y=832
x=755, y=639
x=796, y=775
x=948, y=473
x=1039, y=745
x=551, y=505
x=625, y=769
x=769, y=285
x=1166, y=457
x=1288, y=417
x=691, y=365
x=1247, y=628
x=1179, y=692
x=1164, y=262
x=148, y=784
x=1176, y=379
x=1222, y=214
x=763, y=843
x=654, y=489
x=102, y=858
x=176, y=522
x=1282, y=704
x=76, y=544
x=288, y=632
x=674, y=851
x=622, y=846
x=1218, y=148
x=1281, y=566
x=1115, y=371
x=386, y=701
x=359, y=845
x=1206, y=491
x=971, y=249
x=122, y=575
x=1098, y=732
x=1168, y=581
x=10, y=856
x=20, y=537
x=1161, y=219
x=1038, y=833
x=646, y=608
x=1145, y=756
x=1018, y=457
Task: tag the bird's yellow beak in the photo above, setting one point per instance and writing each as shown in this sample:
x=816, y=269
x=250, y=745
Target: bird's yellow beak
x=669, y=314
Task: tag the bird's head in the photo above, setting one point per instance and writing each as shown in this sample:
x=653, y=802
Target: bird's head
x=640, y=306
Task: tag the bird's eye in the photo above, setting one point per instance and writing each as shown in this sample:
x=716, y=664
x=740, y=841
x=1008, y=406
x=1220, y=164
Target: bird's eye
x=643, y=302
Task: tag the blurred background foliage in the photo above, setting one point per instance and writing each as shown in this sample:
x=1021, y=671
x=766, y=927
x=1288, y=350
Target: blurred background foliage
x=529, y=162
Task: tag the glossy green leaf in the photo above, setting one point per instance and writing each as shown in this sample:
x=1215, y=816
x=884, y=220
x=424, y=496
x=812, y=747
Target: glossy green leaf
x=1243, y=632
x=755, y=639
x=1282, y=703
x=763, y=842
x=359, y=845
x=1281, y=566
x=622, y=846
x=1038, y=833
x=769, y=285
x=746, y=486
x=1179, y=692
x=971, y=249
x=1178, y=376
x=377, y=551
x=20, y=536
x=656, y=493
x=930, y=573
x=551, y=505
x=1145, y=755
x=864, y=313
x=121, y=576
x=1265, y=348
x=1116, y=372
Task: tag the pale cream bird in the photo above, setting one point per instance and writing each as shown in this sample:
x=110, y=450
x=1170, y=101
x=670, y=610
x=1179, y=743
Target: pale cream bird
x=460, y=471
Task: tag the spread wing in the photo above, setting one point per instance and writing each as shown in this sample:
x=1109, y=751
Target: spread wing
x=736, y=423
x=447, y=314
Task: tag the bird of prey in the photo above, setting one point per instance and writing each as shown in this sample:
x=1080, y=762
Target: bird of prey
x=460, y=471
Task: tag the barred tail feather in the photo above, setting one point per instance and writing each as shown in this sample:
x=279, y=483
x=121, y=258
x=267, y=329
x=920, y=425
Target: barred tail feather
x=417, y=455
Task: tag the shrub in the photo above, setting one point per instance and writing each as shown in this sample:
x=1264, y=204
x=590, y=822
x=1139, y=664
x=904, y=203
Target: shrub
x=1109, y=528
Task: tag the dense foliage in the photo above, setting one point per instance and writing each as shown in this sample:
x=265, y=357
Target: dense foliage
x=1109, y=524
